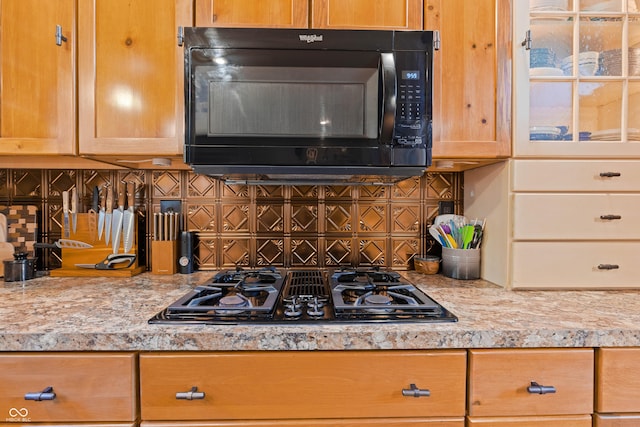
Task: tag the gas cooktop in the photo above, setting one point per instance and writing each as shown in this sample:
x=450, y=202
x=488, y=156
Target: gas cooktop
x=271, y=296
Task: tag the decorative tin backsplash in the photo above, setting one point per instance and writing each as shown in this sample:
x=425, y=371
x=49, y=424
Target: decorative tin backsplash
x=289, y=226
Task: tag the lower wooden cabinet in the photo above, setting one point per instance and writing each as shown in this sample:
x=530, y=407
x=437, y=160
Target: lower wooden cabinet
x=379, y=422
x=618, y=387
x=529, y=385
x=68, y=387
x=329, y=385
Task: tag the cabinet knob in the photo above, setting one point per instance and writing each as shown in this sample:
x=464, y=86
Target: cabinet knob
x=527, y=40
x=610, y=217
x=415, y=391
x=608, y=266
x=46, y=394
x=180, y=36
x=536, y=388
x=192, y=394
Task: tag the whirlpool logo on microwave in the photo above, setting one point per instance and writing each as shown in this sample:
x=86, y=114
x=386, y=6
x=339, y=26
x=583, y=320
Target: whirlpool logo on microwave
x=310, y=38
x=18, y=415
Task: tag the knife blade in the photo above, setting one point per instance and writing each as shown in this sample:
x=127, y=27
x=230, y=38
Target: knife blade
x=74, y=209
x=63, y=243
x=93, y=213
x=65, y=213
x=108, y=216
x=116, y=226
x=127, y=226
x=101, y=212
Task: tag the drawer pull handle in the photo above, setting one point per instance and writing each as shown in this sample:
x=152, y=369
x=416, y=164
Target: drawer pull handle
x=608, y=266
x=610, y=217
x=415, y=391
x=536, y=388
x=192, y=394
x=609, y=174
x=46, y=394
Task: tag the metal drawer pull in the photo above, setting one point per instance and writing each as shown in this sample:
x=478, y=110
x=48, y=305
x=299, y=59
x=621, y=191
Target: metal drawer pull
x=415, y=391
x=46, y=394
x=536, y=388
x=610, y=217
x=609, y=174
x=192, y=394
x=608, y=266
x=59, y=37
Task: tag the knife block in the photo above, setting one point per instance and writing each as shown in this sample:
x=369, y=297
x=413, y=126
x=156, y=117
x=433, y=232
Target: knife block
x=87, y=231
x=164, y=255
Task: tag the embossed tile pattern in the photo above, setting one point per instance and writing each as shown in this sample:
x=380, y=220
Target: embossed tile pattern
x=240, y=225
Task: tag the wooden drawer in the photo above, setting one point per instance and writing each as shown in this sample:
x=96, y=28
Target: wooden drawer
x=498, y=382
x=623, y=420
x=341, y=422
x=287, y=385
x=576, y=216
x=88, y=386
x=555, y=421
x=618, y=380
x=575, y=264
x=575, y=175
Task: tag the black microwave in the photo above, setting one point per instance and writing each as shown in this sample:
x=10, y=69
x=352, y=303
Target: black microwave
x=308, y=105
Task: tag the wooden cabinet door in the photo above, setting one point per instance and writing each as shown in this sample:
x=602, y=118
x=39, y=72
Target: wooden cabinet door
x=131, y=97
x=339, y=422
x=251, y=13
x=499, y=382
x=472, y=78
x=302, y=385
x=618, y=380
x=616, y=420
x=367, y=14
x=37, y=77
x=563, y=421
x=85, y=387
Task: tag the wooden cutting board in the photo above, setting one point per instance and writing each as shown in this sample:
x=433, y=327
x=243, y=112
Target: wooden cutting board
x=22, y=226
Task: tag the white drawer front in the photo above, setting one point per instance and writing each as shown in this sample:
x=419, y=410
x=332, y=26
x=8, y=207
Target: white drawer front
x=575, y=264
x=576, y=216
x=576, y=175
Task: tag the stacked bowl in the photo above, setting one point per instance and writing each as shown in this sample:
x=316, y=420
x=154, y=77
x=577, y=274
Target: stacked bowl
x=588, y=64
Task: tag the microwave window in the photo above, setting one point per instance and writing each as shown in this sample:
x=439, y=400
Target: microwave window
x=293, y=102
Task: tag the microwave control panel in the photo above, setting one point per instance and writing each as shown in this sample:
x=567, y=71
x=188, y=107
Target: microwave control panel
x=411, y=109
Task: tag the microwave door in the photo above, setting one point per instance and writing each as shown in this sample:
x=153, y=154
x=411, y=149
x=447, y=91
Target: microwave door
x=388, y=98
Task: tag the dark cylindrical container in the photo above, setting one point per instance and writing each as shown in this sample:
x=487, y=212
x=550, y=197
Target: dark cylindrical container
x=19, y=268
x=187, y=248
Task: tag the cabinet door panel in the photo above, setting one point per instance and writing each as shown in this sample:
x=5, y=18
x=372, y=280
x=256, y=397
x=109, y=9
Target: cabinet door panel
x=575, y=265
x=472, y=77
x=576, y=175
x=619, y=420
x=131, y=95
x=367, y=14
x=251, y=13
x=564, y=421
x=498, y=382
x=37, y=77
x=340, y=422
x=618, y=380
x=302, y=385
x=87, y=387
x=576, y=216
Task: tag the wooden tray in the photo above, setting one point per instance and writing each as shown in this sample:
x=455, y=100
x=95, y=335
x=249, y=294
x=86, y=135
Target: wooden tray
x=86, y=231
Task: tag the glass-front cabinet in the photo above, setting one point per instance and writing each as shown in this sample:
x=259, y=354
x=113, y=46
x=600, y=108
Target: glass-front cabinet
x=577, y=71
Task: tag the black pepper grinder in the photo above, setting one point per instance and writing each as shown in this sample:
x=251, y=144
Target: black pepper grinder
x=186, y=263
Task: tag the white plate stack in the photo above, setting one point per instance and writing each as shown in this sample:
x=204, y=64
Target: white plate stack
x=615, y=135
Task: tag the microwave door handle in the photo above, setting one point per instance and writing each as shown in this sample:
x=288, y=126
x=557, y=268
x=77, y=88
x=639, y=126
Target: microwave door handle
x=388, y=100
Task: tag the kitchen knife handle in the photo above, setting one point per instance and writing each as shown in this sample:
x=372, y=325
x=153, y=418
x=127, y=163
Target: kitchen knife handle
x=131, y=194
x=121, y=193
x=109, y=199
x=65, y=201
x=415, y=391
x=46, y=394
x=192, y=394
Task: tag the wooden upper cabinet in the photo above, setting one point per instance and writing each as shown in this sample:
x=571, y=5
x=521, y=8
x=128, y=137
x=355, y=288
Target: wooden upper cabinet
x=37, y=90
x=472, y=78
x=367, y=14
x=251, y=13
x=131, y=78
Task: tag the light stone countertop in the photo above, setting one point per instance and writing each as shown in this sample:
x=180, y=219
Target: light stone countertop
x=104, y=314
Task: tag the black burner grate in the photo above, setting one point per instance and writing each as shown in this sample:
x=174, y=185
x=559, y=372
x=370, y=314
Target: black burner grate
x=305, y=283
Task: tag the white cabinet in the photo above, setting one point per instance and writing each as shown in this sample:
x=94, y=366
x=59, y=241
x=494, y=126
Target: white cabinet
x=562, y=212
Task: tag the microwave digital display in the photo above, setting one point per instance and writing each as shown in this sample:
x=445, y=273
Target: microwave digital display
x=410, y=75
